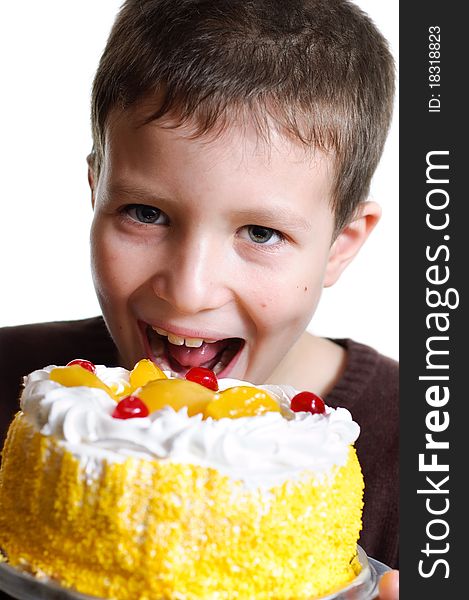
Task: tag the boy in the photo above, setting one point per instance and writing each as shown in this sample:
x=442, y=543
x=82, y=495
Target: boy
x=234, y=144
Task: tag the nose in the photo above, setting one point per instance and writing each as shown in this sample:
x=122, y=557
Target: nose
x=196, y=276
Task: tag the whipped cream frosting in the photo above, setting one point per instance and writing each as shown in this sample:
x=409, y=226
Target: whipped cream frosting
x=261, y=451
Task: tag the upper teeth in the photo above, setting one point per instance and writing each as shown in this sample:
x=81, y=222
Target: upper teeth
x=179, y=341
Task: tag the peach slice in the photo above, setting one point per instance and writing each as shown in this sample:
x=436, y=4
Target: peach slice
x=122, y=389
x=75, y=376
x=176, y=393
x=143, y=372
x=240, y=401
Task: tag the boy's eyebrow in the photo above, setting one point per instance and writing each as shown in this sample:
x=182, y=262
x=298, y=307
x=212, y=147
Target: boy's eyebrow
x=134, y=192
x=276, y=217
x=136, y=195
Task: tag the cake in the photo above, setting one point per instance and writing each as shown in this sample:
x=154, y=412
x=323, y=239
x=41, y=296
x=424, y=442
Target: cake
x=140, y=486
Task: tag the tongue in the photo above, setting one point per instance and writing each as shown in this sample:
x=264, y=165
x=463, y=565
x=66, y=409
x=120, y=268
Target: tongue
x=195, y=357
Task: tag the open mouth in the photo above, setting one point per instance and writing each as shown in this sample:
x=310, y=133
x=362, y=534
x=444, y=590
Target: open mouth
x=173, y=353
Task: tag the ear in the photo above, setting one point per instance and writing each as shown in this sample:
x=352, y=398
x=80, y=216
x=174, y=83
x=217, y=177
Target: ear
x=90, y=159
x=350, y=240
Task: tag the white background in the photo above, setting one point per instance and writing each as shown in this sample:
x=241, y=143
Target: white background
x=50, y=50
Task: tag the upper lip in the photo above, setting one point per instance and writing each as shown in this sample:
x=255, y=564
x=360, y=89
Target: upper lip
x=189, y=333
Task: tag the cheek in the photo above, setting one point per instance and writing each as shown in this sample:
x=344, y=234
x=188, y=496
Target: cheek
x=286, y=302
x=113, y=264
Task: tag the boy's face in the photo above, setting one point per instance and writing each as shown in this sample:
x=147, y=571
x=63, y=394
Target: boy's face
x=223, y=239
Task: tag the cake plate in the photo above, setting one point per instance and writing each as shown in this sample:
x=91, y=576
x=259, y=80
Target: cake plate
x=24, y=586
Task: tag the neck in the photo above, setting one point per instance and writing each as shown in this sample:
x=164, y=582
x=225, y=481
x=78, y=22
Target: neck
x=313, y=363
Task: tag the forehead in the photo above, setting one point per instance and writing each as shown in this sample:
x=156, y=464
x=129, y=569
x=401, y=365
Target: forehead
x=235, y=155
x=255, y=127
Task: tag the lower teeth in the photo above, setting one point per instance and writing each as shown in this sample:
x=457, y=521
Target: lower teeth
x=157, y=346
x=218, y=368
x=221, y=364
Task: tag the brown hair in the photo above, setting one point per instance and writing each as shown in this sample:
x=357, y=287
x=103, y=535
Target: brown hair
x=319, y=69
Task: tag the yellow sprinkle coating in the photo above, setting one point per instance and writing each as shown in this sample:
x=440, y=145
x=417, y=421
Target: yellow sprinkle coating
x=154, y=530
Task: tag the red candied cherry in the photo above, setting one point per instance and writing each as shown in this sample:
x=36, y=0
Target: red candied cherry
x=204, y=376
x=130, y=407
x=308, y=402
x=86, y=364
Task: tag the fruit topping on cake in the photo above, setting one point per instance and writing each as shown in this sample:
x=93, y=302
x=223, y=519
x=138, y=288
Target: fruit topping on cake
x=149, y=390
x=75, y=375
x=144, y=372
x=308, y=402
x=130, y=407
x=240, y=401
x=204, y=376
x=86, y=364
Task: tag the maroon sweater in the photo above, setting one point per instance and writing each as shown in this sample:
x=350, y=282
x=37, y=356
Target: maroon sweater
x=368, y=388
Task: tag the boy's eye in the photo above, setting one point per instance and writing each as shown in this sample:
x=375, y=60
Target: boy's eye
x=146, y=214
x=263, y=235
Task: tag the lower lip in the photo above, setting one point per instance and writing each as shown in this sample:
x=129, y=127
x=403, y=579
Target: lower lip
x=149, y=354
